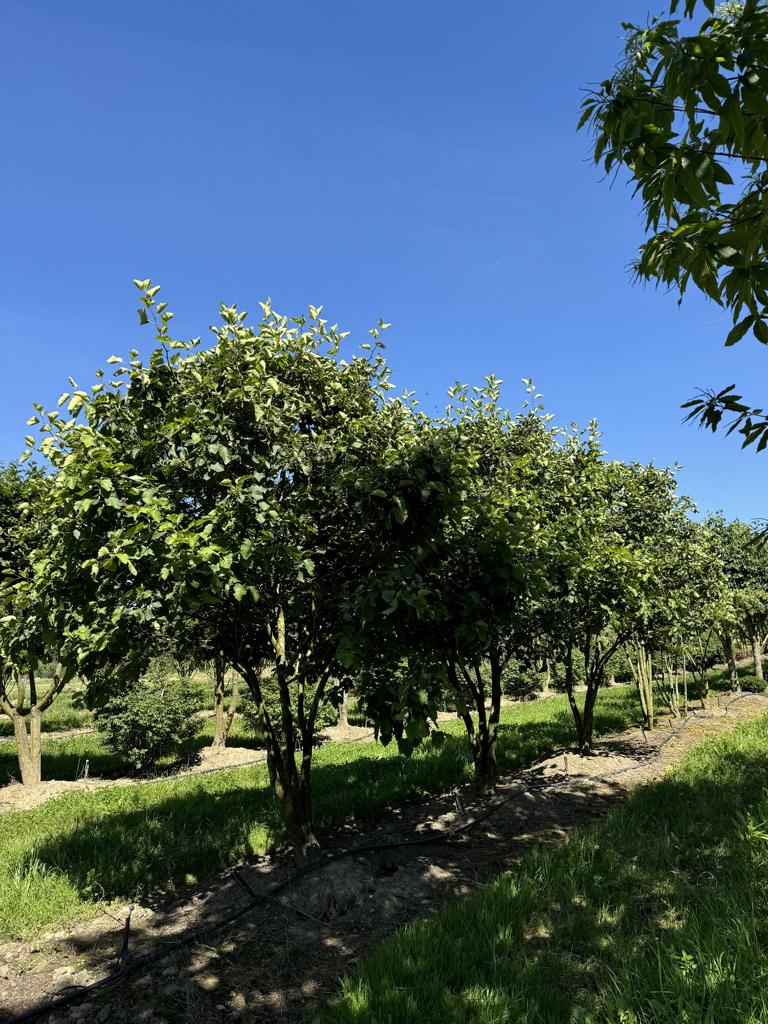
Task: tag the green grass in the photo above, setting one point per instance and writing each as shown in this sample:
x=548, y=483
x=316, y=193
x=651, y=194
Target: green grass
x=63, y=758
x=659, y=914
x=58, y=860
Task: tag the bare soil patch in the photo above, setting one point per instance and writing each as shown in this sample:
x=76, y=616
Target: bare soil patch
x=286, y=955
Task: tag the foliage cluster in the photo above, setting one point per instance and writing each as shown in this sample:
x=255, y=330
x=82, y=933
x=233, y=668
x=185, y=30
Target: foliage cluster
x=151, y=718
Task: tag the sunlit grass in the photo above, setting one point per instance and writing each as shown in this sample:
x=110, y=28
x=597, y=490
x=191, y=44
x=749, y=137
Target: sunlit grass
x=659, y=914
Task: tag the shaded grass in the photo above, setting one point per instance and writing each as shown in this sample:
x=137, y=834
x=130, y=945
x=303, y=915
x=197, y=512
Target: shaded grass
x=59, y=859
x=659, y=914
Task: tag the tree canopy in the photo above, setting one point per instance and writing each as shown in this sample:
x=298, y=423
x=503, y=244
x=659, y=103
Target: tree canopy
x=685, y=114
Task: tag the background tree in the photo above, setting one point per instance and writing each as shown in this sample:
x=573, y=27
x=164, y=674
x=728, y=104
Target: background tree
x=685, y=579
x=604, y=569
x=744, y=612
x=29, y=627
x=686, y=115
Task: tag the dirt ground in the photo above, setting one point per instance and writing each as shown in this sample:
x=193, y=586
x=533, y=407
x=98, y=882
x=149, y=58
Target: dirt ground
x=285, y=956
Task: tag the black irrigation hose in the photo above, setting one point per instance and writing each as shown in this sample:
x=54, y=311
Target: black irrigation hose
x=128, y=966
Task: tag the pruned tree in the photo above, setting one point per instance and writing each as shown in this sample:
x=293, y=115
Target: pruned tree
x=455, y=602
x=228, y=478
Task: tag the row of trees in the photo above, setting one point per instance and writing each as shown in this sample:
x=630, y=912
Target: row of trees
x=267, y=506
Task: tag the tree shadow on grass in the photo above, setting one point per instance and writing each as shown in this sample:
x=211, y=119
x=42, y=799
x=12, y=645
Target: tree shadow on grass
x=656, y=914
x=137, y=840
x=277, y=962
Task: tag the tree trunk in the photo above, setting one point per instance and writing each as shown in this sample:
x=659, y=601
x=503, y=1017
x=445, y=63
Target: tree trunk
x=482, y=738
x=223, y=719
x=290, y=786
x=757, y=656
x=26, y=729
x=485, y=759
x=343, y=710
x=290, y=783
x=295, y=796
x=731, y=659
x=583, y=719
x=588, y=716
x=219, y=737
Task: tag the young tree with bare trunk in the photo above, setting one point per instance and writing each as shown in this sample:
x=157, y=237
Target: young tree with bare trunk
x=743, y=557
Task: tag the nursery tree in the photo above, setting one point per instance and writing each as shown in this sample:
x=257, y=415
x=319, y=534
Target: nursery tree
x=490, y=568
x=604, y=571
x=686, y=115
x=744, y=562
x=228, y=478
x=683, y=578
x=473, y=550
x=29, y=621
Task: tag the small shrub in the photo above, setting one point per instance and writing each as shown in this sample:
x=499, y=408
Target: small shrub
x=151, y=719
x=751, y=684
x=518, y=680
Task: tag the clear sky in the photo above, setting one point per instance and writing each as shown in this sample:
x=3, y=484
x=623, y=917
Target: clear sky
x=413, y=161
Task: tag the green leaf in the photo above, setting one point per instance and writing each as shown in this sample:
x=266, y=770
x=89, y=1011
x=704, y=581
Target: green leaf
x=739, y=330
x=760, y=330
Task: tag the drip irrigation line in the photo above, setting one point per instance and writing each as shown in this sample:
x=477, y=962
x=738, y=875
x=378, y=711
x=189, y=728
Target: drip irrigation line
x=128, y=965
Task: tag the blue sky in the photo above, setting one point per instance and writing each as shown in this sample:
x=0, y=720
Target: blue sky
x=413, y=161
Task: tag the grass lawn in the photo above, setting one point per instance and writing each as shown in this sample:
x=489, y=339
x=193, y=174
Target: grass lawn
x=659, y=914
x=64, y=757
x=58, y=860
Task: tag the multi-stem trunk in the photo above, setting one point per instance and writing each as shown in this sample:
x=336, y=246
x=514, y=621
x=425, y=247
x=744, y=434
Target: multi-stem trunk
x=584, y=717
x=467, y=681
x=290, y=779
x=669, y=687
x=223, y=718
x=26, y=729
x=642, y=670
x=26, y=714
